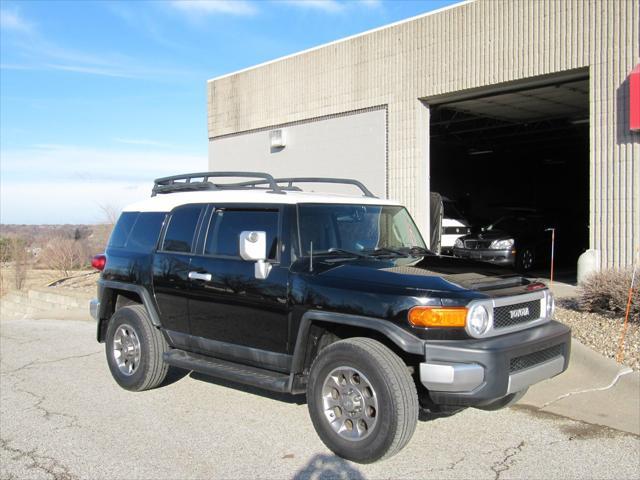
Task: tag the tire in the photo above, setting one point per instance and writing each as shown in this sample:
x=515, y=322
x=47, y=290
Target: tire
x=388, y=410
x=525, y=260
x=504, y=402
x=131, y=328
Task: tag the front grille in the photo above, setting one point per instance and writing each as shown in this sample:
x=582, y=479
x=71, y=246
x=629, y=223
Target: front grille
x=535, y=358
x=477, y=244
x=510, y=315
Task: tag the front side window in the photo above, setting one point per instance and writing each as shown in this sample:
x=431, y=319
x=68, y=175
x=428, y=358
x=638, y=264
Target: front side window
x=358, y=228
x=181, y=231
x=226, y=225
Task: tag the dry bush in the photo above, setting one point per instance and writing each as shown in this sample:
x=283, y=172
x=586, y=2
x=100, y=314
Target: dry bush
x=608, y=291
x=64, y=254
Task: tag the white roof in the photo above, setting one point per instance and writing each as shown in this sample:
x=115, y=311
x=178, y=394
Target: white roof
x=166, y=202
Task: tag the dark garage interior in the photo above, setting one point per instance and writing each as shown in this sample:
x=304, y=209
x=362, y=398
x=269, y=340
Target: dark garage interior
x=518, y=148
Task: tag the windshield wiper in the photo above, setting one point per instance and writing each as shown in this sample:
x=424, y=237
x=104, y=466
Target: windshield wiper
x=416, y=250
x=387, y=251
x=342, y=251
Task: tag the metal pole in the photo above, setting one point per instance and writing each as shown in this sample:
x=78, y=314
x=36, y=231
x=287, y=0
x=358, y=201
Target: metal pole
x=553, y=241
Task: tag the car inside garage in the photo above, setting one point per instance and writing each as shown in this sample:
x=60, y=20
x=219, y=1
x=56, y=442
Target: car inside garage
x=519, y=149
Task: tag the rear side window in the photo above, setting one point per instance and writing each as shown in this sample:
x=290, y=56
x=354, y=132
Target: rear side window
x=145, y=232
x=226, y=225
x=182, y=229
x=122, y=229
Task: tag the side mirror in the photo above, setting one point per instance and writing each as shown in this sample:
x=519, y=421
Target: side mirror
x=253, y=247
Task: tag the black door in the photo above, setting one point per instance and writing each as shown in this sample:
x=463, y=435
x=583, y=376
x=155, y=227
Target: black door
x=233, y=314
x=171, y=271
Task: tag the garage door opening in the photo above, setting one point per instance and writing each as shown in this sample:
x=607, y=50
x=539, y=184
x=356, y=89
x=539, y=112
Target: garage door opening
x=521, y=150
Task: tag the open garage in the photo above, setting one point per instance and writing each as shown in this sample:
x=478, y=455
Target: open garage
x=500, y=106
x=521, y=148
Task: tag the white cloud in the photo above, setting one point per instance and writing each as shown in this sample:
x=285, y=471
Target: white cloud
x=229, y=7
x=36, y=52
x=143, y=142
x=330, y=6
x=67, y=183
x=12, y=20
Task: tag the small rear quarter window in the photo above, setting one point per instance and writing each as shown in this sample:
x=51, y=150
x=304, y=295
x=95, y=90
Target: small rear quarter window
x=145, y=232
x=122, y=229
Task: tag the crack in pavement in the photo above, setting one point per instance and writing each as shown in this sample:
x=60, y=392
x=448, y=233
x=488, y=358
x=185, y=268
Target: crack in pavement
x=622, y=372
x=506, y=463
x=44, y=463
x=72, y=420
x=46, y=362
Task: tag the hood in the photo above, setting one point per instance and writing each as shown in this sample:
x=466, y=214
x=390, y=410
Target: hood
x=436, y=273
x=489, y=235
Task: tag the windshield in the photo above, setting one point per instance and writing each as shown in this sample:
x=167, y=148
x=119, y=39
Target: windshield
x=358, y=228
x=451, y=211
x=510, y=224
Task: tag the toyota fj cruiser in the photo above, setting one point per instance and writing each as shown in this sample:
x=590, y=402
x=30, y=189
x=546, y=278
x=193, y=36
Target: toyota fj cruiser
x=335, y=296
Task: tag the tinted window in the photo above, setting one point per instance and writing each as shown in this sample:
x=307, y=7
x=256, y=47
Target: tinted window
x=145, y=232
x=225, y=227
x=122, y=229
x=356, y=227
x=182, y=228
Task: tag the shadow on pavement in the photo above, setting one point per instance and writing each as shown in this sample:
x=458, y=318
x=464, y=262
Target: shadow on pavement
x=281, y=397
x=328, y=467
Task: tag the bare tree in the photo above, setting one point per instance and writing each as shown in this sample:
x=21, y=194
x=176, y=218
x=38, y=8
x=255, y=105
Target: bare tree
x=110, y=213
x=20, y=257
x=64, y=254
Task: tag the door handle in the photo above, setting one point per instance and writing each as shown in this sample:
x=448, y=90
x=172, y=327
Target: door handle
x=200, y=276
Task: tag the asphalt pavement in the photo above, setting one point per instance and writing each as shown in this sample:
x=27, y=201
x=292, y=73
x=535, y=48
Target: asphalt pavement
x=63, y=417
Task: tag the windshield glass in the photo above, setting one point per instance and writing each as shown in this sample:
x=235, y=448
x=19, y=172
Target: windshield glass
x=451, y=211
x=357, y=228
x=509, y=224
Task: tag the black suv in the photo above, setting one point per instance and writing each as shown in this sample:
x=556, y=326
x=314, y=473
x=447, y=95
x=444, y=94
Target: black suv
x=335, y=296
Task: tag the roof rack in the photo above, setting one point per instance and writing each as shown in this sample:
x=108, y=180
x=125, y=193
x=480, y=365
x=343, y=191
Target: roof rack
x=200, y=181
x=291, y=180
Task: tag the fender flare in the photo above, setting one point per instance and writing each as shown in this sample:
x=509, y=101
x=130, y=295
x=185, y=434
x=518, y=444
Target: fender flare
x=403, y=339
x=143, y=293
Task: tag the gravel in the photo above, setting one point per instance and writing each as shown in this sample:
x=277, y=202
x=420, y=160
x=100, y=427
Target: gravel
x=601, y=332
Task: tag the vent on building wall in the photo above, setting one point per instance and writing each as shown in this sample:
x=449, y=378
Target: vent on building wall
x=277, y=138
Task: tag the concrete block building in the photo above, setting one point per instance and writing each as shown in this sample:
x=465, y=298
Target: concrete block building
x=495, y=104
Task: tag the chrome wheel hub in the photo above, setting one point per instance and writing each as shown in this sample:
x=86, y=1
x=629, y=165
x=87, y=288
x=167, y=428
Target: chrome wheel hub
x=126, y=349
x=350, y=403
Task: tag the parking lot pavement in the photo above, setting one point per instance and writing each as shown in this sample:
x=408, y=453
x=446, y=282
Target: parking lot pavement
x=63, y=417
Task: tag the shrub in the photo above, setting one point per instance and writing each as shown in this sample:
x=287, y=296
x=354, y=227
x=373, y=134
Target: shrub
x=608, y=291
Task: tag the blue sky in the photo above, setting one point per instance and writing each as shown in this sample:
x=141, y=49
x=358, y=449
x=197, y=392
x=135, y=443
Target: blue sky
x=99, y=98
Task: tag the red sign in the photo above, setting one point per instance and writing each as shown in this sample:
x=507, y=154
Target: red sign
x=634, y=99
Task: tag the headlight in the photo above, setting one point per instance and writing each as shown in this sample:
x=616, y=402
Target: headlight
x=501, y=244
x=478, y=320
x=458, y=243
x=551, y=305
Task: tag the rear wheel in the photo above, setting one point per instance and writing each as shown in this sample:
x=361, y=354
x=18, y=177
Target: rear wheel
x=362, y=400
x=135, y=348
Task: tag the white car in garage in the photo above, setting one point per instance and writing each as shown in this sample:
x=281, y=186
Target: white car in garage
x=454, y=226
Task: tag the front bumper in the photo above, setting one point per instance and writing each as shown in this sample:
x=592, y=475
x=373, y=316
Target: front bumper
x=477, y=372
x=499, y=257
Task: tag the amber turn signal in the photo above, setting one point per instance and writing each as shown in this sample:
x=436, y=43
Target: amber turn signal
x=438, y=316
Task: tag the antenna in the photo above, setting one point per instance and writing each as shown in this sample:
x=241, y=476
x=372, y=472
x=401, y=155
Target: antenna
x=311, y=256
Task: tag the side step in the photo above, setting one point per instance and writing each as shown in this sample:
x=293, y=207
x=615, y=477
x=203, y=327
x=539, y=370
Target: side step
x=257, y=377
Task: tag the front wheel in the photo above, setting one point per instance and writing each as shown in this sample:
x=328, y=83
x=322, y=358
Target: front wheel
x=525, y=259
x=362, y=400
